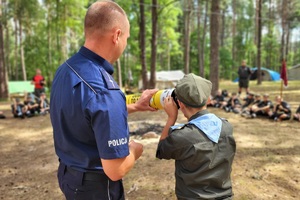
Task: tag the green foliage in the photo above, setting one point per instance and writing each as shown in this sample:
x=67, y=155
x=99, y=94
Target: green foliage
x=225, y=63
x=244, y=28
x=53, y=31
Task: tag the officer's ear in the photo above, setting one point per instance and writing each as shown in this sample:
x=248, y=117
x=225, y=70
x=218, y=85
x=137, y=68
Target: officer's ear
x=116, y=36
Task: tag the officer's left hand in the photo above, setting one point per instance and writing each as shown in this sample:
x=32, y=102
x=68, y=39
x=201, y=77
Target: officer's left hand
x=136, y=149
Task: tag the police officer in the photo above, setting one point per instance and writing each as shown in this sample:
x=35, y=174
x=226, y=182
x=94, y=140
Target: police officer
x=89, y=113
x=203, y=148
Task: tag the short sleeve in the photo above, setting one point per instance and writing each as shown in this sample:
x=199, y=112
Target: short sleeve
x=109, y=122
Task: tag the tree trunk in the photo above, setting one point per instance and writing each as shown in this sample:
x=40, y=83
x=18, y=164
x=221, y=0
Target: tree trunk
x=233, y=51
x=270, y=34
x=6, y=39
x=214, y=45
x=153, y=45
x=288, y=32
x=15, y=60
x=143, y=44
x=256, y=22
x=284, y=30
x=259, y=33
x=24, y=76
x=202, y=72
x=3, y=74
x=187, y=12
x=222, y=37
x=58, y=31
x=7, y=49
x=64, y=43
x=50, y=63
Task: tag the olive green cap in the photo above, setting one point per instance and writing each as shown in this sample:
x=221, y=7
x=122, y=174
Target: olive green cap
x=193, y=90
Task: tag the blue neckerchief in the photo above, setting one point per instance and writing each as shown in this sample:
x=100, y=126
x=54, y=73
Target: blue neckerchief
x=177, y=126
x=210, y=124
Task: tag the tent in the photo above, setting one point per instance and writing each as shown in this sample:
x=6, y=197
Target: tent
x=266, y=74
x=294, y=73
x=165, y=79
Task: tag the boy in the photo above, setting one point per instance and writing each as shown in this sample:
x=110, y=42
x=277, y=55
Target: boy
x=203, y=148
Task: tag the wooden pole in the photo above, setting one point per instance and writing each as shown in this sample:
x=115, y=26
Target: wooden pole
x=281, y=88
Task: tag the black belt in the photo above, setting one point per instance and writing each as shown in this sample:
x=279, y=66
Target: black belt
x=87, y=176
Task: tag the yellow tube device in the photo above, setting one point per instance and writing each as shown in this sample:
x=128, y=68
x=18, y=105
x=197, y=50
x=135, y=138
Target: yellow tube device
x=157, y=100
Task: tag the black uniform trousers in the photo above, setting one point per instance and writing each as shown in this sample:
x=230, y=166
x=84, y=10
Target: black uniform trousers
x=78, y=185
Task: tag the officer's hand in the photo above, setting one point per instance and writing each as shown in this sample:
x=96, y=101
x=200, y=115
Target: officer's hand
x=143, y=104
x=170, y=107
x=136, y=149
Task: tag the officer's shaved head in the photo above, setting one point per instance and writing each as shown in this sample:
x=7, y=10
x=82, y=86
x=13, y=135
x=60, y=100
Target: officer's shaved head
x=104, y=16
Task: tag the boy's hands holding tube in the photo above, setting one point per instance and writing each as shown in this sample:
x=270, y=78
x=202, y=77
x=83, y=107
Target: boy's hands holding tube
x=171, y=109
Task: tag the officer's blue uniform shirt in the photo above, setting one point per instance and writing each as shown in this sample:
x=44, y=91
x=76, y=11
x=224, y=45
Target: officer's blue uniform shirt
x=88, y=112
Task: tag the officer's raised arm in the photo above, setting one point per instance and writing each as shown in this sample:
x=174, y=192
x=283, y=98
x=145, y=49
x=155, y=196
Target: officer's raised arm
x=143, y=104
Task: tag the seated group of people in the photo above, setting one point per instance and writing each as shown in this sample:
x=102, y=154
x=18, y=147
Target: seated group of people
x=253, y=105
x=2, y=116
x=31, y=106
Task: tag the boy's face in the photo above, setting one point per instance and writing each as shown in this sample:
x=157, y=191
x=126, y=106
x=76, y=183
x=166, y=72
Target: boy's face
x=278, y=99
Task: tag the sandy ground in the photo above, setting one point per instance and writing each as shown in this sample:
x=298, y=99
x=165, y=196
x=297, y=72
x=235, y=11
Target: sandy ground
x=266, y=165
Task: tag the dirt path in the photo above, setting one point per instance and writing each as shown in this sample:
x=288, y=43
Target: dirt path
x=266, y=165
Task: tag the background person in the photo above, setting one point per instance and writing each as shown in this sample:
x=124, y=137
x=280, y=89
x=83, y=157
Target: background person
x=203, y=148
x=31, y=107
x=43, y=103
x=244, y=74
x=263, y=108
x=282, y=110
x=17, y=108
x=296, y=116
x=233, y=104
x=248, y=100
x=39, y=82
x=247, y=108
x=2, y=116
x=89, y=114
x=218, y=101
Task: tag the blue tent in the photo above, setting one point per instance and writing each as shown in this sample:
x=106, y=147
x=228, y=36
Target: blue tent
x=266, y=74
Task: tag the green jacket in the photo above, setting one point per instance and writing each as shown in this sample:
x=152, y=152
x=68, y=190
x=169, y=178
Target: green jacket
x=202, y=167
